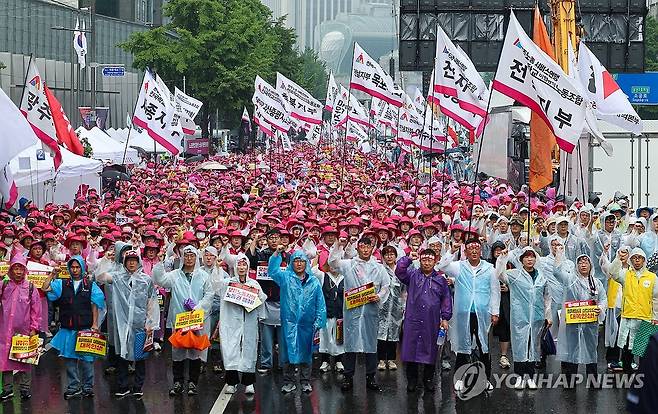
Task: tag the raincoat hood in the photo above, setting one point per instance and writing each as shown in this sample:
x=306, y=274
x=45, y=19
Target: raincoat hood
x=119, y=249
x=80, y=261
x=239, y=258
x=297, y=254
x=189, y=249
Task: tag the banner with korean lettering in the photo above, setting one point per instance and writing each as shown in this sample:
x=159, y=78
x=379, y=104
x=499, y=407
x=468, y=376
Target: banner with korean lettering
x=409, y=127
x=386, y=115
x=154, y=112
x=526, y=74
x=186, y=104
x=270, y=106
x=332, y=93
x=369, y=77
x=298, y=102
x=339, y=114
x=358, y=113
x=36, y=109
x=419, y=101
x=456, y=76
x=356, y=133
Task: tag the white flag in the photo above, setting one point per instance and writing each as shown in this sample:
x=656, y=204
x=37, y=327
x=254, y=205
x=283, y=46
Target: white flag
x=285, y=140
x=15, y=136
x=355, y=133
x=313, y=135
x=528, y=75
x=186, y=105
x=358, y=113
x=36, y=109
x=419, y=101
x=270, y=110
x=409, y=127
x=80, y=43
x=449, y=106
x=369, y=77
x=300, y=104
x=332, y=93
x=339, y=113
x=590, y=118
x=387, y=115
x=609, y=101
x=456, y=76
x=155, y=113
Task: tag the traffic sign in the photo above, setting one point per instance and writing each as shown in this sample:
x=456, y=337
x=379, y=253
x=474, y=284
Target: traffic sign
x=641, y=88
x=114, y=71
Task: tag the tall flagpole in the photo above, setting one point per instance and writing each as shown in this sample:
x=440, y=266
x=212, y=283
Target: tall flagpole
x=347, y=122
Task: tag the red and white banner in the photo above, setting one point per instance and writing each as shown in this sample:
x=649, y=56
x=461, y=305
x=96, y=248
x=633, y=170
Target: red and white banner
x=300, y=104
x=155, y=112
x=369, y=77
x=456, y=76
x=608, y=100
x=186, y=105
x=36, y=109
x=358, y=113
x=409, y=127
x=528, y=75
x=419, y=101
x=355, y=133
x=269, y=112
x=332, y=93
x=339, y=113
x=449, y=106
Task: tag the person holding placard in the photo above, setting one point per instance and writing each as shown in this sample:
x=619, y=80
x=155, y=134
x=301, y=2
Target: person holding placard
x=238, y=329
x=191, y=290
x=578, y=341
x=360, y=320
x=80, y=301
x=20, y=313
x=303, y=314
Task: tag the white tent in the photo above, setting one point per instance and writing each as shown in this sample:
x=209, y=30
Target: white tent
x=105, y=148
x=118, y=135
x=144, y=141
x=37, y=179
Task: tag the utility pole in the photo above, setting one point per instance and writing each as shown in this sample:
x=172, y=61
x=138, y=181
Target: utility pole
x=92, y=58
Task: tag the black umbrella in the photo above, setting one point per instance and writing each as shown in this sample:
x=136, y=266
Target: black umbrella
x=115, y=175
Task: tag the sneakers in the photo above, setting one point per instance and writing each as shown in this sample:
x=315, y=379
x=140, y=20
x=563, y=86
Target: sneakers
x=519, y=384
x=288, y=388
x=382, y=365
x=347, y=384
x=89, y=394
x=230, y=389
x=325, y=367
x=72, y=394
x=217, y=368
x=392, y=366
x=123, y=393
x=6, y=395
x=339, y=367
x=459, y=386
x=445, y=365
x=306, y=387
x=372, y=385
x=177, y=389
x=137, y=393
x=191, y=389
x=504, y=362
x=110, y=370
x=25, y=395
x=249, y=389
x=614, y=366
x=532, y=385
x=263, y=371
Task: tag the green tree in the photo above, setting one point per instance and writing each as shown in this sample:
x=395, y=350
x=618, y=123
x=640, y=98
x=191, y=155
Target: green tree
x=313, y=76
x=220, y=46
x=651, y=44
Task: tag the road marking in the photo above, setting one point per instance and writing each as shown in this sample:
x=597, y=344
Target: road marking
x=221, y=402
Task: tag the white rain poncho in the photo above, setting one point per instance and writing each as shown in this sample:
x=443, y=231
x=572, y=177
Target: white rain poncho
x=475, y=288
x=197, y=287
x=360, y=324
x=555, y=285
x=530, y=305
x=391, y=312
x=134, y=305
x=238, y=329
x=577, y=342
x=649, y=239
x=599, y=239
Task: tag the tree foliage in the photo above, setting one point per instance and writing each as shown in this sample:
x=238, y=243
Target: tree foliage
x=220, y=46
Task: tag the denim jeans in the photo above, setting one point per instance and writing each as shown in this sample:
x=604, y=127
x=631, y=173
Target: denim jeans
x=80, y=374
x=290, y=377
x=267, y=333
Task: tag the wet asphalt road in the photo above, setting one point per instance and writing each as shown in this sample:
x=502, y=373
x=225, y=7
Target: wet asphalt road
x=49, y=381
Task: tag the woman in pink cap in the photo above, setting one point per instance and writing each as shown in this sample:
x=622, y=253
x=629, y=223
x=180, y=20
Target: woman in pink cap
x=20, y=313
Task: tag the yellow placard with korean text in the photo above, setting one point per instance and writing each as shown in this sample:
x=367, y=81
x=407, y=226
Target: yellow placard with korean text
x=359, y=296
x=189, y=321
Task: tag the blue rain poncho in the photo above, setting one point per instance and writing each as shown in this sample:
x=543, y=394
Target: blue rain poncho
x=303, y=309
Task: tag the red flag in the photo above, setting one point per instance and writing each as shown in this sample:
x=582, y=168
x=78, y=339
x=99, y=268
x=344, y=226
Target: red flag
x=66, y=136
